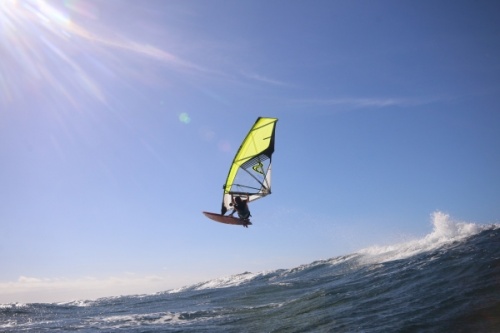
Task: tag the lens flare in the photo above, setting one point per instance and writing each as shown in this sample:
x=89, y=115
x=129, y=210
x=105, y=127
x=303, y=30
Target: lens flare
x=184, y=118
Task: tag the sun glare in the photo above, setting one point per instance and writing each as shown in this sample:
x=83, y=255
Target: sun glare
x=37, y=39
x=68, y=50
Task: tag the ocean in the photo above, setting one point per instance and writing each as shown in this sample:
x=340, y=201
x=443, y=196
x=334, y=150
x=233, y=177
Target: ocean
x=447, y=281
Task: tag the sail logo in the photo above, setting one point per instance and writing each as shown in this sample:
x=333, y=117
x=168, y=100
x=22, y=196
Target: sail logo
x=259, y=167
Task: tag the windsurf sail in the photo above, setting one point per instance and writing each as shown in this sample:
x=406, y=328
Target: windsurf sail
x=250, y=172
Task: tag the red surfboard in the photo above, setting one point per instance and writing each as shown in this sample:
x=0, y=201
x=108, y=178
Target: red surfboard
x=227, y=219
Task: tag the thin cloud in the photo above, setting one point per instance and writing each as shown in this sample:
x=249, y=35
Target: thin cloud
x=140, y=48
x=263, y=79
x=32, y=289
x=363, y=102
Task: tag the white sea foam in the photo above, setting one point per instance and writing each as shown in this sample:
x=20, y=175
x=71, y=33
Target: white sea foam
x=227, y=281
x=13, y=305
x=78, y=303
x=222, y=282
x=445, y=231
x=134, y=320
x=122, y=321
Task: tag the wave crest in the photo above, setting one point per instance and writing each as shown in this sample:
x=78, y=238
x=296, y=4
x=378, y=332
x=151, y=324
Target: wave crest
x=445, y=231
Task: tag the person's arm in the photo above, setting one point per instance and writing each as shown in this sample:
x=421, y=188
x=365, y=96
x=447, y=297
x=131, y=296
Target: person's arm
x=234, y=208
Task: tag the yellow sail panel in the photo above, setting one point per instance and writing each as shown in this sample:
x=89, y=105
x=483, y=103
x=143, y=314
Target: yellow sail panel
x=250, y=171
x=258, y=140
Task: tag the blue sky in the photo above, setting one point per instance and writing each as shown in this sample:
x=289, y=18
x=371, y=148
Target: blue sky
x=118, y=122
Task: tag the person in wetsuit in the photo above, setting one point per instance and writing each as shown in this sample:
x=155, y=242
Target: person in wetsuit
x=240, y=206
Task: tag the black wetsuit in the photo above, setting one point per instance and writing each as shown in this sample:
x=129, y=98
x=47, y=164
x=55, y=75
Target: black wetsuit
x=242, y=209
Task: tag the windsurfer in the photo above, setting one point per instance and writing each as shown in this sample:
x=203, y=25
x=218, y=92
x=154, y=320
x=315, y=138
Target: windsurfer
x=240, y=206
